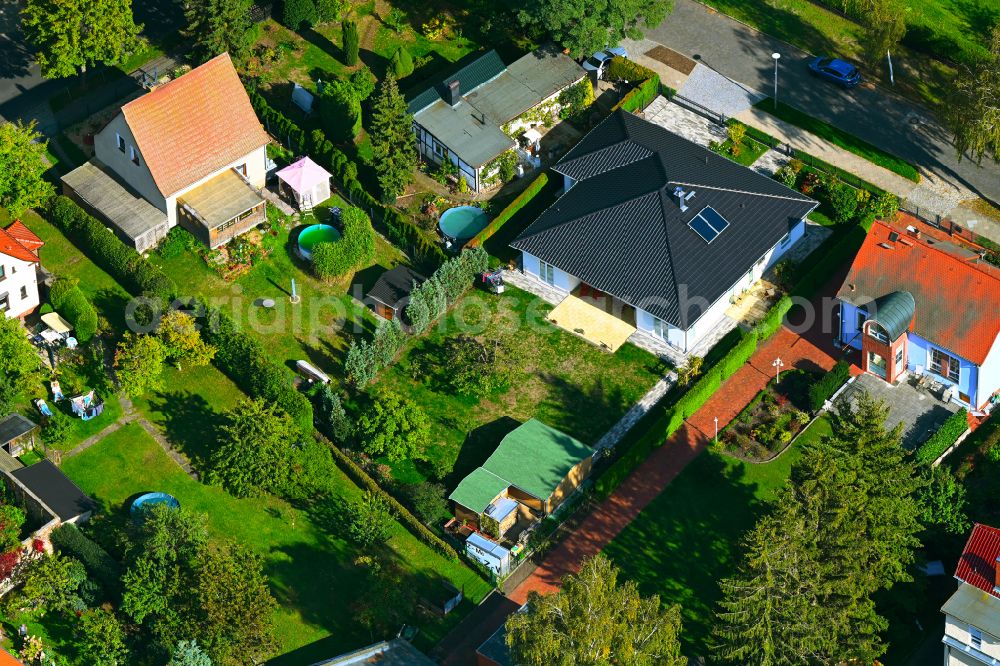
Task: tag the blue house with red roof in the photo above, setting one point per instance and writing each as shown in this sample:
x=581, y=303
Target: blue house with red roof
x=912, y=304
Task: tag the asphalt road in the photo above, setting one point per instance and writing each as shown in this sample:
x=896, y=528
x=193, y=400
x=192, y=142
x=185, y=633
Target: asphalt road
x=887, y=121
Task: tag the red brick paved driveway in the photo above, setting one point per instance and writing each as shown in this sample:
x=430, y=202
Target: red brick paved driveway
x=667, y=461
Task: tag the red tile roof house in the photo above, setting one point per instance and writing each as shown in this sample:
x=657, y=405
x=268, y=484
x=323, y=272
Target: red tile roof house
x=914, y=304
x=18, y=277
x=972, y=614
x=190, y=152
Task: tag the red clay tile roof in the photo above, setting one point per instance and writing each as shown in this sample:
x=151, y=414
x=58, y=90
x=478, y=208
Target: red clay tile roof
x=6, y=659
x=13, y=246
x=977, y=565
x=194, y=125
x=24, y=235
x=954, y=296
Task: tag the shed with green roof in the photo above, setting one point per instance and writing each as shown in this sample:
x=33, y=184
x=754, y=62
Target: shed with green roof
x=535, y=464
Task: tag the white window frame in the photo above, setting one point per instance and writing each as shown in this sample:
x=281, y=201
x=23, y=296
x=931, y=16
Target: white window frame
x=976, y=637
x=879, y=333
x=936, y=367
x=661, y=329
x=546, y=272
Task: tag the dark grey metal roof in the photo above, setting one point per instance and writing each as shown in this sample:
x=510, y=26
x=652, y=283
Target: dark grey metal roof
x=622, y=230
x=394, y=285
x=893, y=312
x=49, y=484
x=14, y=426
x=491, y=96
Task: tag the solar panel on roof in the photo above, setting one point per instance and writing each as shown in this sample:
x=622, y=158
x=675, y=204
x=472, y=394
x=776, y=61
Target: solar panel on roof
x=708, y=224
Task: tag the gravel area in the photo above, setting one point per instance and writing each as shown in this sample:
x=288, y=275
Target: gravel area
x=770, y=162
x=707, y=88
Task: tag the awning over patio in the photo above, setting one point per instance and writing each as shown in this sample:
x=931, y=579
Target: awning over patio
x=54, y=321
x=221, y=199
x=125, y=209
x=591, y=323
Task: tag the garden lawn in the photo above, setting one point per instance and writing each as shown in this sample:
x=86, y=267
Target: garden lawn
x=306, y=557
x=810, y=27
x=689, y=537
x=563, y=381
x=840, y=138
x=750, y=151
x=318, y=328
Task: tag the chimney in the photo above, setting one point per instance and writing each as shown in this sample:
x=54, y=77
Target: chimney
x=454, y=94
x=679, y=193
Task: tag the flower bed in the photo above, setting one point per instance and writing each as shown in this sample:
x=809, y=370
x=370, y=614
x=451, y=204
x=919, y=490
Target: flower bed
x=771, y=421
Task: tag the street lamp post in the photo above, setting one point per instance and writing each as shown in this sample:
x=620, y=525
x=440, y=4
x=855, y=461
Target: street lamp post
x=778, y=364
x=776, y=56
x=716, y=429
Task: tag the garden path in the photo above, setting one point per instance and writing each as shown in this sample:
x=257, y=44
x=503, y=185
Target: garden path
x=667, y=461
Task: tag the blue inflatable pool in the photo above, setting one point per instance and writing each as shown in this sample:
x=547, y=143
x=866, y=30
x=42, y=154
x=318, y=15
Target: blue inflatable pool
x=152, y=499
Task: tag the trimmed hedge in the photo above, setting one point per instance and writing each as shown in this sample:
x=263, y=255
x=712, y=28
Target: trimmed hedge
x=361, y=477
x=738, y=356
x=641, y=96
x=108, y=251
x=510, y=211
x=940, y=441
x=243, y=359
x=79, y=312
x=71, y=541
x=824, y=388
x=771, y=322
x=405, y=233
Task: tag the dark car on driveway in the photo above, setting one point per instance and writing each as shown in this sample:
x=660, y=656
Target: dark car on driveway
x=838, y=71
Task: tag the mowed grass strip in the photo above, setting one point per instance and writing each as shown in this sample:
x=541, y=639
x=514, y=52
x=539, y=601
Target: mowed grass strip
x=308, y=560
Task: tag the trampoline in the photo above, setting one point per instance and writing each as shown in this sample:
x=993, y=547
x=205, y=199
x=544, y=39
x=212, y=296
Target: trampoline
x=314, y=234
x=148, y=500
x=462, y=222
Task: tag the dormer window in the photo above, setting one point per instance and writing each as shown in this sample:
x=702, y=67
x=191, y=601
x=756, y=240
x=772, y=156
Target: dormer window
x=878, y=333
x=134, y=155
x=120, y=141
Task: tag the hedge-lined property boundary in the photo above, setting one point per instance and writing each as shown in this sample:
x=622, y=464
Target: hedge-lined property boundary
x=823, y=389
x=949, y=432
x=361, y=477
x=106, y=569
x=108, y=251
x=641, y=96
x=519, y=202
x=243, y=359
x=663, y=420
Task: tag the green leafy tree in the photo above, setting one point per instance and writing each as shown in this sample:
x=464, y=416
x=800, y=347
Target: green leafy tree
x=354, y=250
x=52, y=583
x=56, y=429
x=18, y=362
x=884, y=22
x=394, y=426
x=102, y=638
x=351, y=42
x=22, y=167
x=386, y=597
x=402, y=63
x=11, y=521
x=218, y=26
x=331, y=416
x=394, y=145
x=973, y=109
x=340, y=104
x=189, y=653
x=843, y=200
x=331, y=10
x=370, y=519
x=139, y=363
x=255, y=442
x=943, y=503
x=586, y=26
x=182, y=341
x=595, y=620
x=297, y=14
x=70, y=35
x=429, y=501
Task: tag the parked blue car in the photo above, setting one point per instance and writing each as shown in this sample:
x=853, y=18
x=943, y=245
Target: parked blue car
x=838, y=71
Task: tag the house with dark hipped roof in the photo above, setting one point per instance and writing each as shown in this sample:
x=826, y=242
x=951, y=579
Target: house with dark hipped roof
x=470, y=116
x=532, y=471
x=972, y=613
x=669, y=230
x=190, y=152
x=913, y=304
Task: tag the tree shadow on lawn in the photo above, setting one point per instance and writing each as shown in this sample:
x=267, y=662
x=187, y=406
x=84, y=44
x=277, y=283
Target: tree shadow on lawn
x=479, y=445
x=688, y=539
x=583, y=413
x=112, y=303
x=190, y=423
x=325, y=44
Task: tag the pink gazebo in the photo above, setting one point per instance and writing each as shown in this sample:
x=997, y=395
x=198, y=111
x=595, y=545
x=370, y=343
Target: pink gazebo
x=306, y=181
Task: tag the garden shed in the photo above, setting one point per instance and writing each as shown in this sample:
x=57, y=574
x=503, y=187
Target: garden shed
x=17, y=434
x=306, y=182
x=44, y=489
x=391, y=292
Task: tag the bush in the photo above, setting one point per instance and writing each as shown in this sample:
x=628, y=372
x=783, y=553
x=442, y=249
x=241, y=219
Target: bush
x=402, y=63
x=843, y=200
x=370, y=519
x=824, y=388
x=106, y=250
x=415, y=527
x=949, y=432
x=351, y=42
x=298, y=13
x=576, y=99
x=510, y=211
x=786, y=176
x=641, y=96
x=75, y=307
x=355, y=249
x=244, y=360
x=71, y=541
x=623, y=69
